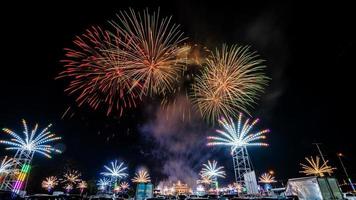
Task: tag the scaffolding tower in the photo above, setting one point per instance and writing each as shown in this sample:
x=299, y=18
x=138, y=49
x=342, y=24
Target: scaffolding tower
x=241, y=163
x=17, y=180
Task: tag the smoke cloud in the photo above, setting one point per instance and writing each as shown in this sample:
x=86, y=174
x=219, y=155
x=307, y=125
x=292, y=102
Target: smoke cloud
x=181, y=138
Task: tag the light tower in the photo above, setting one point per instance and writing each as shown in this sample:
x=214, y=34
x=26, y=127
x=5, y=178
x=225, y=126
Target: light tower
x=25, y=148
x=241, y=161
x=238, y=137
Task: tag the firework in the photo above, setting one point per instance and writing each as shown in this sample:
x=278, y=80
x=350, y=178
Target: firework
x=103, y=183
x=238, y=136
x=32, y=142
x=200, y=189
x=117, y=189
x=68, y=187
x=151, y=54
x=141, y=177
x=238, y=187
x=266, y=178
x=314, y=167
x=97, y=77
x=49, y=183
x=116, y=170
x=6, y=166
x=231, y=82
x=82, y=186
x=197, y=56
x=124, y=185
x=71, y=177
x=205, y=180
x=211, y=170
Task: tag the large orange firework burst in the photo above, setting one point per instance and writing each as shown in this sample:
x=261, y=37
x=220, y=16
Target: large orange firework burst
x=153, y=54
x=231, y=82
x=97, y=76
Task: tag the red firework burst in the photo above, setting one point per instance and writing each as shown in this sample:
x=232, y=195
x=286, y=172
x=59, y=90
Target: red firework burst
x=97, y=77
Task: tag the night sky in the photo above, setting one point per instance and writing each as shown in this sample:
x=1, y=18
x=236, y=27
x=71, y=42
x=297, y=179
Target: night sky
x=308, y=49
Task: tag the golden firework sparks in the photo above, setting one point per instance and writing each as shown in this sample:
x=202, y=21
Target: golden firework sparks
x=49, y=183
x=314, y=167
x=266, y=178
x=153, y=53
x=141, y=176
x=231, y=82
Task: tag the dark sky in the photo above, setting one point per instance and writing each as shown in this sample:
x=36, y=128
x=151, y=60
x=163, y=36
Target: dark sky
x=309, y=51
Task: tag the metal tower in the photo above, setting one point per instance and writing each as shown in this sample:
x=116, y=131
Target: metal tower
x=242, y=164
x=239, y=136
x=214, y=182
x=17, y=180
x=25, y=146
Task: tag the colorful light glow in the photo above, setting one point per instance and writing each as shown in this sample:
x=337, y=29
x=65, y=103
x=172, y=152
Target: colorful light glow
x=21, y=177
x=237, y=136
x=238, y=187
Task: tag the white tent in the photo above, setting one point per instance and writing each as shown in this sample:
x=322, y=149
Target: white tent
x=313, y=188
